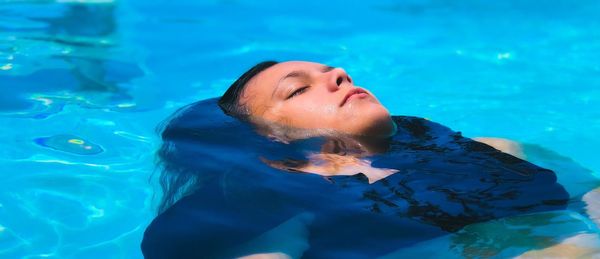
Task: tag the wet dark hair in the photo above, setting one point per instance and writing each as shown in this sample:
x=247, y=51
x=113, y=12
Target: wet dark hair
x=202, y=146
x=181, y=159
x=229, y=102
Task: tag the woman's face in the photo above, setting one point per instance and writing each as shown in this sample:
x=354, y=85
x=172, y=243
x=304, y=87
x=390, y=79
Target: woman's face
x=309, y=95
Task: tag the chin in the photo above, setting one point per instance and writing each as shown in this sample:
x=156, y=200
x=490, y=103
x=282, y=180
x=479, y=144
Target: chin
x=375, y=121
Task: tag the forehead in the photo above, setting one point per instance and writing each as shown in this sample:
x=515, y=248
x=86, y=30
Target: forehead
x=258, y=91
x=271, y=76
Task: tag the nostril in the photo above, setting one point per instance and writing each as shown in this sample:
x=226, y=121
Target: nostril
x=339, y=81
x=349, y=79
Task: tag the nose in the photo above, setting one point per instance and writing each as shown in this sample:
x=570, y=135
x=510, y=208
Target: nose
x=336, y=78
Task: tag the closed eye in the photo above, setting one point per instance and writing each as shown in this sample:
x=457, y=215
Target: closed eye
x=298, y=91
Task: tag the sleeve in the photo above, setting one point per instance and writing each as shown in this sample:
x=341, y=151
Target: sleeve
x=205, y=225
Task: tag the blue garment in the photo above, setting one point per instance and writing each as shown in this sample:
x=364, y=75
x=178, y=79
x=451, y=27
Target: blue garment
x=444, y=182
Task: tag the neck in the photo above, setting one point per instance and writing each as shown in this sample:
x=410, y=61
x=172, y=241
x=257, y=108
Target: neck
x=375, y=145
x=356, y=145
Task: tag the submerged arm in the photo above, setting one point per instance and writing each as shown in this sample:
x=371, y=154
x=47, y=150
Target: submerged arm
x=505, y=145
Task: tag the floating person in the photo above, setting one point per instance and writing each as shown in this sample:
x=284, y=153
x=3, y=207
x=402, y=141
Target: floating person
x=301, y=162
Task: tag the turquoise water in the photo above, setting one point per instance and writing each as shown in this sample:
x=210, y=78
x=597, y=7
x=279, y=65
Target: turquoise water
x=85, y=82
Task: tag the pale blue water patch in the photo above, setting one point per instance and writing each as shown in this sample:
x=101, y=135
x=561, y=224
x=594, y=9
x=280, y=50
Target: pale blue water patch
x=108, y=71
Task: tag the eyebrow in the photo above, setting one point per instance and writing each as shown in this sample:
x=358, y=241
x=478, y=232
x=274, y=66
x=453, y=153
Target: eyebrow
x=299, y=73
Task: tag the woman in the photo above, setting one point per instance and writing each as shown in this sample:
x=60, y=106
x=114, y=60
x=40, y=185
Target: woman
x=364, y=183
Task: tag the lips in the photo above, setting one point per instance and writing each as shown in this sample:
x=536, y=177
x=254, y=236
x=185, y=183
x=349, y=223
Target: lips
x=353, y=91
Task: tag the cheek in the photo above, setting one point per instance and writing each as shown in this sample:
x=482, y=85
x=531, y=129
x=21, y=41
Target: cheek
x=308, y=114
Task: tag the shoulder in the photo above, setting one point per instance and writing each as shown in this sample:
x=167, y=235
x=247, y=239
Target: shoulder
x=505, y=145
x=423, y=128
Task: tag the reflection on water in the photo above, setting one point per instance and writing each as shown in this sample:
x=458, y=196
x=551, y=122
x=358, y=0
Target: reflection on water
x=82, y=40
x=71, y=188
x=70, y=143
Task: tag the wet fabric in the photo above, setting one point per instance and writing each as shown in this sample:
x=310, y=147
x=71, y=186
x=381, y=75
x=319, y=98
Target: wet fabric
x=444, y=183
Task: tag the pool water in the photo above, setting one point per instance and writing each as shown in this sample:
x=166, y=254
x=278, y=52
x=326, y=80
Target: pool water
x=84, y=83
